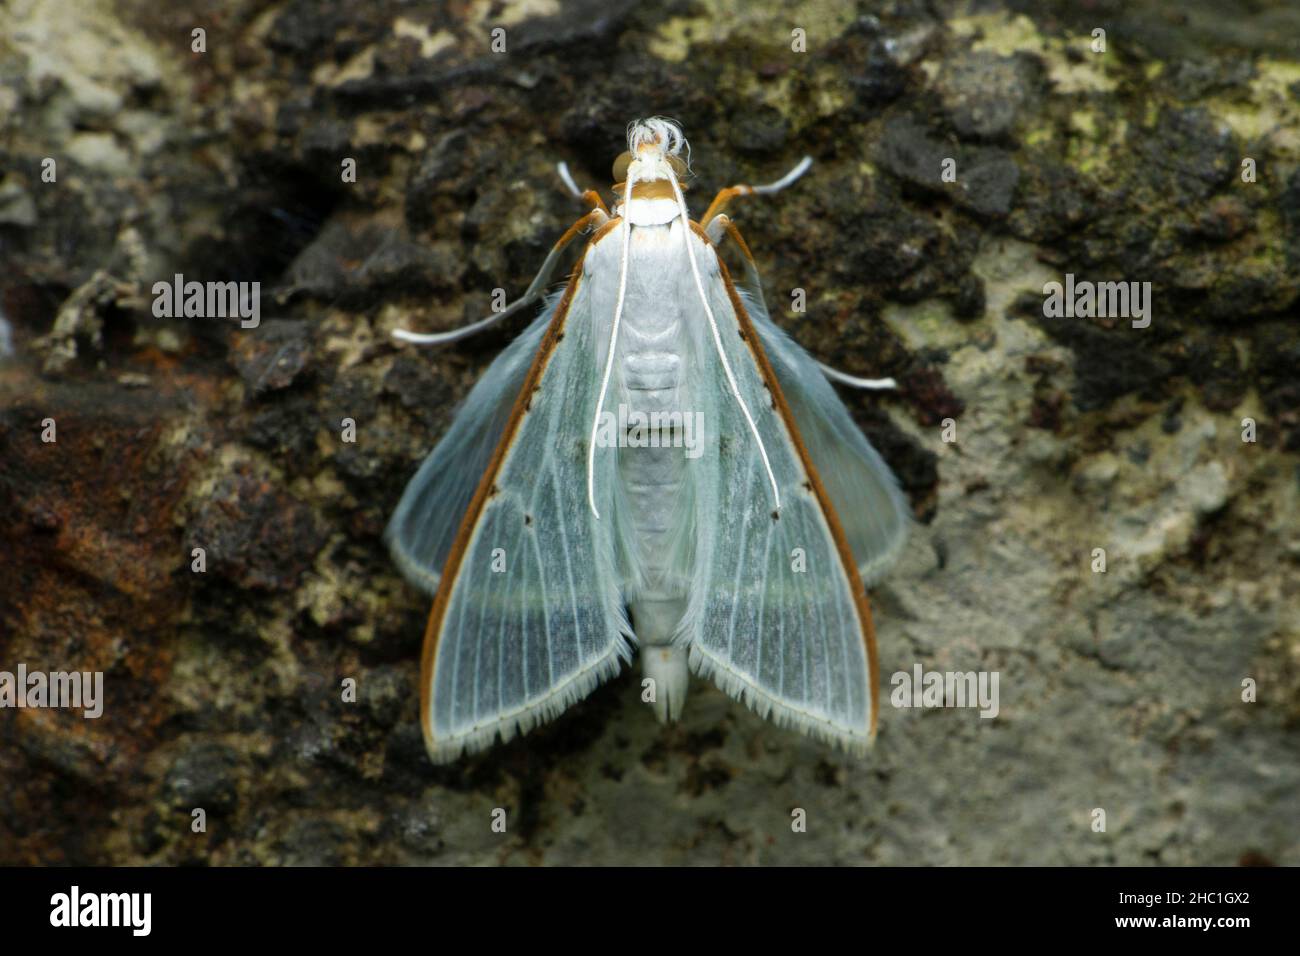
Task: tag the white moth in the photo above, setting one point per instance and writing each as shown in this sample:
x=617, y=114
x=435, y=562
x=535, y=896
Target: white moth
x=653, y=464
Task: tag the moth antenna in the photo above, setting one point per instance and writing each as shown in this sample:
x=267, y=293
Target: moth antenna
x=717, y=338
x=613, y=342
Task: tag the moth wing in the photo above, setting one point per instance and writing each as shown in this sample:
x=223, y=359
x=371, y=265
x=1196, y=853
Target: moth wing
x=529, y=617
x=421, y=531
x=871, y=507
x=778, y=615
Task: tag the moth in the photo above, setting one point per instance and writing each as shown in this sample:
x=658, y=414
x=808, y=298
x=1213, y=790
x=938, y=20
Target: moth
x=652, y=465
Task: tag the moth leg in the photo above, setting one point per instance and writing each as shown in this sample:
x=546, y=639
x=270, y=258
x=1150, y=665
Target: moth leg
x=590, y=196
x=721, y=225
x=835, y=375
x=594, y=219
x=731, y=192
x=717, y=228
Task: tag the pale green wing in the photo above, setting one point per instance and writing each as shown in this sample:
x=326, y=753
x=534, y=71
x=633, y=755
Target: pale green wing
x=529, y=616
x=778, y=616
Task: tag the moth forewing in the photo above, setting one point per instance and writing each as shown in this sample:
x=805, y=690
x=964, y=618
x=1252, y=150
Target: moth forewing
x=527, y=617
x=781, y=619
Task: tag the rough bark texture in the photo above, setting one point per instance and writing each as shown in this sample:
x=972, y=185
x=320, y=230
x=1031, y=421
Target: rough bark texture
x=1119, y=690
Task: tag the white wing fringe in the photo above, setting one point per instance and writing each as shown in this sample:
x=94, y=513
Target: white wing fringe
x=777, y=710
x=521, y=721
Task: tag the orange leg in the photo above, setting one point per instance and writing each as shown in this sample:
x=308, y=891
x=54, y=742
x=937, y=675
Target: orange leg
x=731, y=192
x=597, y=218
x=721, y=225
x=592, y=199
x=590, y=196
x=722, y=198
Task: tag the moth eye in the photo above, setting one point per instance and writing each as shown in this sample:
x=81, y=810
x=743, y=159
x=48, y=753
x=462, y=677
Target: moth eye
x=620, y=167
x=678, y=165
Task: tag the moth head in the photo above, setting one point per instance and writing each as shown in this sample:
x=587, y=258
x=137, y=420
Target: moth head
x=654, y=146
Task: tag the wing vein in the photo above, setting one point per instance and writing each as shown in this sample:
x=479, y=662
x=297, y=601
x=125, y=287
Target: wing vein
x=740, y=565
x=546, y=618
x=568, y=566
x=505, y=617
